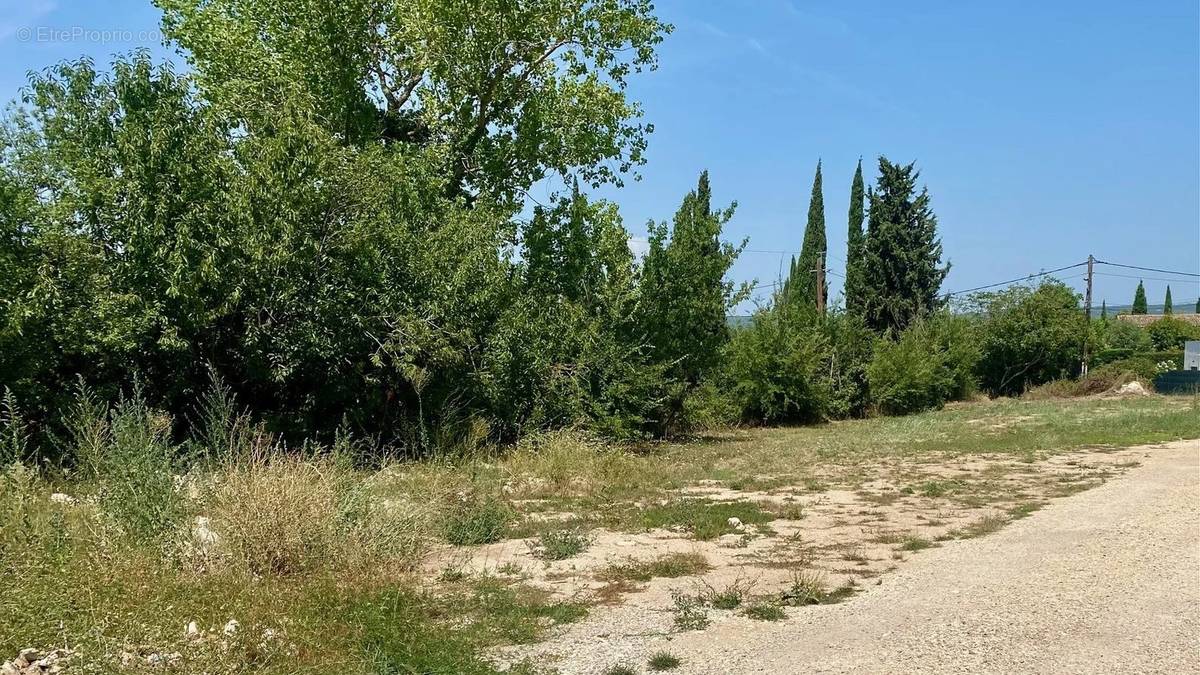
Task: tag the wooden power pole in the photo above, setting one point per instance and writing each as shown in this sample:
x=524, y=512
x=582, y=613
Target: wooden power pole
x=1087, y=313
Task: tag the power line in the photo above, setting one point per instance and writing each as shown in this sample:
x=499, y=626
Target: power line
x=1013, y=281
x=1134, y=276
x=1147, y=269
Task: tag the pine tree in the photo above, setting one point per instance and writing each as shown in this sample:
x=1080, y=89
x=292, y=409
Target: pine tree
x=854, y=245
x=1198, y=305
x=1103, y=310
x=902, y=260
x=1139, y=300
x=802, y=282
x=1167, y=309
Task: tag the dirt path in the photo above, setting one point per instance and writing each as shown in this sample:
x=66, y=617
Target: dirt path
x=1104, y=581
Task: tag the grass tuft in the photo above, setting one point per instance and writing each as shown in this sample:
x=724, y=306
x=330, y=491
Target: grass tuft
x=560, y=544
x=765, y=611
x=705, y=520
x=661, y=661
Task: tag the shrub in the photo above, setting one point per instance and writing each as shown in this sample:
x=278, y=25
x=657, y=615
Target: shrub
x=931, y=363
x=1029, y=336
x=1122, y=335
x=127, y=449
x=765, y=611
x=775, y=367
x=560, y=544
x=1169, y=333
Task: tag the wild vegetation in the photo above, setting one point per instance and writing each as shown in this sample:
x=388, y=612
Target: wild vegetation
x=274, y=328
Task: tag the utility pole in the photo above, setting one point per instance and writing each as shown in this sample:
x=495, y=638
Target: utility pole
x=821, y=285
x=1087, y=313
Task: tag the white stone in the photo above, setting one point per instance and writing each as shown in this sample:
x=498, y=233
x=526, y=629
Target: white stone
x=192, y=630
x=231, y=628
x=735, y=523
x=60, y=498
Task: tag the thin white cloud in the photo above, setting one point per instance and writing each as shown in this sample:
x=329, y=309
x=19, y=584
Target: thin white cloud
x=757, y=46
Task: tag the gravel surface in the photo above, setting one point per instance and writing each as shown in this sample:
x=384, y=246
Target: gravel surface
x=1107, y=581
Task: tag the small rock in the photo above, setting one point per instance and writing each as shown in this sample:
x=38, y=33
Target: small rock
x=60, y=498
x=735, y=523
x=231, y=628
x=192, y=630
x=9, y=668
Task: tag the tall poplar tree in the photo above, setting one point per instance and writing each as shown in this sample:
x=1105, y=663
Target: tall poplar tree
x=855, y=243
x=1103, y=310
x=903, y=255
x=1167, y=308
x=801, y=287
x=1139, y=300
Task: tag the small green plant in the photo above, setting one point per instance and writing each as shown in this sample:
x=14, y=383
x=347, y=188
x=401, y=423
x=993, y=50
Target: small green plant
x=1024, y=510
x=915, y=543
x=661, y=661
x=985, y=525
x=807, y=588
x=729, y=597
x=474, y=521
x=690, y=612
x=765, y=611
x=559, y=544
x=619, y=669
x=669, y=566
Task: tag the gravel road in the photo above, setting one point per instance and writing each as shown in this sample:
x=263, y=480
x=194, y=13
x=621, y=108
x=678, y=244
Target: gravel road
x=1107, y=581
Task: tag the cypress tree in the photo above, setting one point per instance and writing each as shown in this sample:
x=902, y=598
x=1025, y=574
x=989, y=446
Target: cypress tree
x=1198, y=305
x=902, y=260
x=1103, y=310
x=1167, y=309
x=854, y=245
x=1139, y=300
x=802, y=285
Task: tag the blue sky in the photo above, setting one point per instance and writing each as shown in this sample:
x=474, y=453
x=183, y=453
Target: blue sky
x=1044, y=130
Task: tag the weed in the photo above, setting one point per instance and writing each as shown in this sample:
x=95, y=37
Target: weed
x=807, y=588
x=878, y=535
x=936, y=488
x=474, y=521
x=559, y=544
x=729, y=597
x=703, y=519
x=690, y=612
x=670, y=565
x=985, y=525
x=765, y=611
x=1024, y=510
x=452, y=575
x=660, y=661
x=855, y=554
x=915, y=543
x=619, y=669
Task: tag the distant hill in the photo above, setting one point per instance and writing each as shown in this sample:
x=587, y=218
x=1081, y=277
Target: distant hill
x=743, y=320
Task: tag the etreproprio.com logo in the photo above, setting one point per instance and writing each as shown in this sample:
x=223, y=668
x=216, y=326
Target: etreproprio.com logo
x=84, y=34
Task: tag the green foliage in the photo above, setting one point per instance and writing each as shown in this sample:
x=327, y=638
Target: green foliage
x=1029, y=336
x=1167, y=307
x=932, y=362
x=660, y=661
x=776, y=366
x=1139, y=300
x=1170, y=333
x=684, y=296
x=471, y=520
x=902, y=259
x=560, y=544
x=800, y=288
x=14, y=431
x=1122, y=335
x=127, y=449
x=702, y=519
x=855, y=246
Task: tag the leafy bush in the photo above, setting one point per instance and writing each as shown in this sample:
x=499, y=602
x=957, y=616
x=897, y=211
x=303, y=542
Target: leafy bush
x=931, y=363
x=775, y=367
x=127, y=450
x=1029, y=336
x=1114, y=334
x=1169, y=333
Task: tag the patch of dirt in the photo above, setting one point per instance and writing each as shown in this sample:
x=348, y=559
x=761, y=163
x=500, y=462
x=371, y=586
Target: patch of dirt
x=847, y=536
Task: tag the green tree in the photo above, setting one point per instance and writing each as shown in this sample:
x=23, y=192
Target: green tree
x=801, y=285
x=1029, y=336
x=1198, y=305
x=1167, y=309
x=1139, y=300
x=1103, y=310
x=902, y=261
x=501, y=94
x=855, y=245
x=684, y=295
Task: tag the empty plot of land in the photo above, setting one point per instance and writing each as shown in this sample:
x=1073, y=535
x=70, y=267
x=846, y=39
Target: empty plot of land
x=1104, y=581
